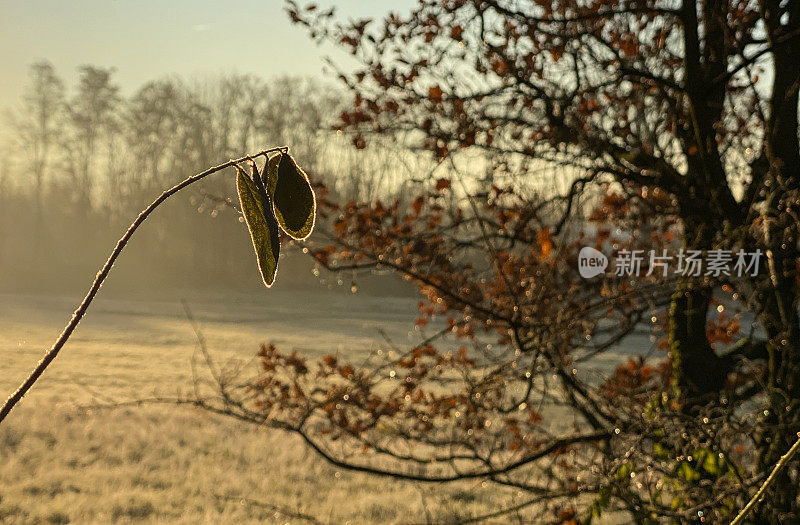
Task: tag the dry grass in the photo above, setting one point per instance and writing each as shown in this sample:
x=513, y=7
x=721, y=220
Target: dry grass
x=60, y=463
x=161, y=464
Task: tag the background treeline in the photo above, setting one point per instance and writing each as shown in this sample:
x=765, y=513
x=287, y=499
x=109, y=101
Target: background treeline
x=79, y=162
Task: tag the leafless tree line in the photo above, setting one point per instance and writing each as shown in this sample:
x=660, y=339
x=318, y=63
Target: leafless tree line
x=79, y=162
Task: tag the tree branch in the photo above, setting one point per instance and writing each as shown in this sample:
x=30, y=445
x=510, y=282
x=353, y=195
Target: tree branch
x=51, y=354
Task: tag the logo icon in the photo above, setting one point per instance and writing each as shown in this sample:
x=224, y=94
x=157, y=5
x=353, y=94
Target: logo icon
x=591, y=262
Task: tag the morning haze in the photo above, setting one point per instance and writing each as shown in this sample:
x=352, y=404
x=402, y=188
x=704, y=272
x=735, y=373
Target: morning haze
x=138, y=96
x=484, y=266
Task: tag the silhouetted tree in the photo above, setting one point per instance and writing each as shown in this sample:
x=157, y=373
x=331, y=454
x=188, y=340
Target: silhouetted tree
x=37, y=125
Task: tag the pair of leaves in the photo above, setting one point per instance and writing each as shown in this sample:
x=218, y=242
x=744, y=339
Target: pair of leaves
x=278, y=198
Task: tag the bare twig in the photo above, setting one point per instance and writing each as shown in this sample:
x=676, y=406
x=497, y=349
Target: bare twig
x=51, y=354
x=269, y=506
x=756, y=499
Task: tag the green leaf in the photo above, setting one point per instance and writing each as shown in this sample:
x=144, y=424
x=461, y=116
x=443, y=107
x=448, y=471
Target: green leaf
x=262, y=225
x=270, y=174
x=624, y=471
x=687, y=472
x=293, y=197
x=259, y=184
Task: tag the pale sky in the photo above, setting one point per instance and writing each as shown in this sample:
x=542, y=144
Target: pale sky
x=147, y=39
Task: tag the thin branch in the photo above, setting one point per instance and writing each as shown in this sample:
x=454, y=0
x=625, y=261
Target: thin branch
x=779, y=466
x=269, y=506
x=51, y=354
x=508, y=510
x=556, y=444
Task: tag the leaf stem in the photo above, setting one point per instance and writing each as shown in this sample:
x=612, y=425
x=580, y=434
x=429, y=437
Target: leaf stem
x=51, y=354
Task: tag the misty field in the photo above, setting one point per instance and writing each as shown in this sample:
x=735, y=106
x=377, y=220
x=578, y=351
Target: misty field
x=64, y=460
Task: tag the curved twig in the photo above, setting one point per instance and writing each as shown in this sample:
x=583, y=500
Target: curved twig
x=51, y=354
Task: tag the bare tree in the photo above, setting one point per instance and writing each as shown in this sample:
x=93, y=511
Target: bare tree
x=37, y=125
x=91, y=114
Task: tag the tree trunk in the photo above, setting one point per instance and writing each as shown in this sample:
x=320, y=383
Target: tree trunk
x=696, y=368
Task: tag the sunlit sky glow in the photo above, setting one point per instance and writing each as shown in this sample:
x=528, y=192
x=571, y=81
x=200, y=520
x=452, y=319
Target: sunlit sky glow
x=148, y=39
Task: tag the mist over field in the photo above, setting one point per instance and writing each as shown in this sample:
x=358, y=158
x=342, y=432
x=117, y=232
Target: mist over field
x=81, y=161
x=77, y=166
